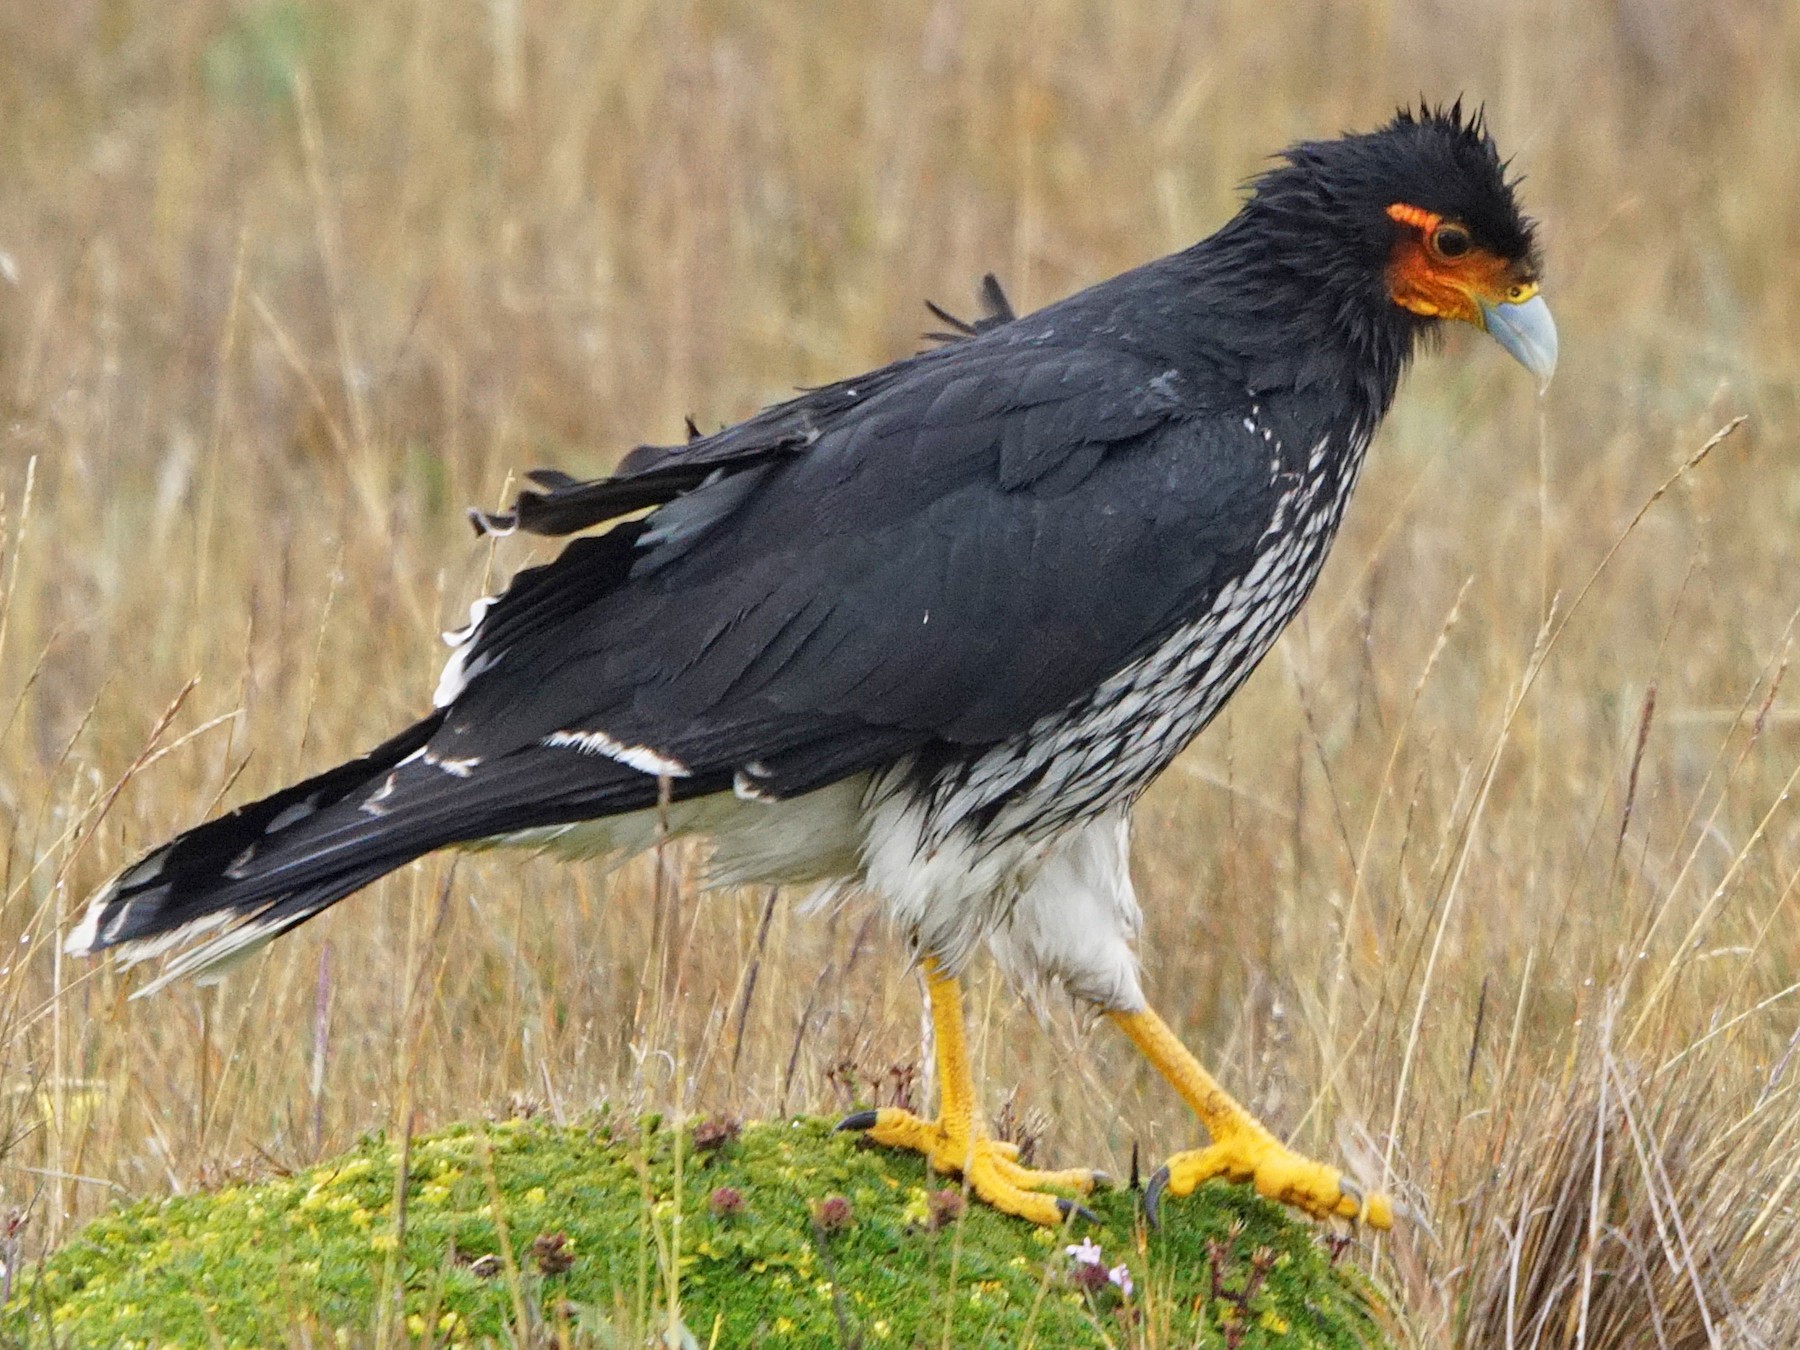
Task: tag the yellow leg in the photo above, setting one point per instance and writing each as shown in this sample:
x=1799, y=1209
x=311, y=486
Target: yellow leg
x=1242, y=1149
x=957, y=1140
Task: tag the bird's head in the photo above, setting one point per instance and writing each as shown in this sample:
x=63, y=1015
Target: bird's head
x=1426, y=227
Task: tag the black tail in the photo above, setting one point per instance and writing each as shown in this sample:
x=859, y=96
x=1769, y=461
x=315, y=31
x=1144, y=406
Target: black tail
x=240, y=880
x=205, y=880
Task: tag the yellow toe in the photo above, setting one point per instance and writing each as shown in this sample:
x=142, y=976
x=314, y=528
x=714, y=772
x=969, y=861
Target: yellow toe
x=989, y=1166
x=895, y=1128
x=1080, y=1179
x=1280, y=1174
x=988, y=1180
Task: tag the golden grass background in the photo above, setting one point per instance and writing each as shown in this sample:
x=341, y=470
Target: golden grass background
x=1506, y=919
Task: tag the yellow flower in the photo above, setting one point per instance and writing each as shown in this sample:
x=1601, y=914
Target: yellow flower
x=383, y=1242
x=1271, y=1323
x=918, y=1209
x=535, y=1196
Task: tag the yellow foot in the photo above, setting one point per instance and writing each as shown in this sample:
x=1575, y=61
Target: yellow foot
x=989, y=1166
x=1277, y=1172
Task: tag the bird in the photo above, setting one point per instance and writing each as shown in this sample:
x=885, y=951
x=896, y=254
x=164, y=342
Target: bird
x=926, y=634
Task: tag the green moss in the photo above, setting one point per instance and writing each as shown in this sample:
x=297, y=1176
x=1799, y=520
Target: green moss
x=256, y=1264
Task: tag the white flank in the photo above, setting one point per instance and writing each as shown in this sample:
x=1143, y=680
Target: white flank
x=949, y=894
x=793, y=841
x=1077, y=919
x=639, y=757
x=787, y=841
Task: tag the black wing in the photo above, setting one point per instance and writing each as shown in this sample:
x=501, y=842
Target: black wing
x=996, y=311
x=651, y=475
x=941, y=553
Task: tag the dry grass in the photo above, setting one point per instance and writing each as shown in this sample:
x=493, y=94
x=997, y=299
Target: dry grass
x=1506, y=918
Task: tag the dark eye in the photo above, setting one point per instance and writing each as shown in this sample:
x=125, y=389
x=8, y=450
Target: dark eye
x=1450, y=241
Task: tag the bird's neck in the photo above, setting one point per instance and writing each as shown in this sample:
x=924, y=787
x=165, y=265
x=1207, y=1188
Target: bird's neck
x=1299, y=306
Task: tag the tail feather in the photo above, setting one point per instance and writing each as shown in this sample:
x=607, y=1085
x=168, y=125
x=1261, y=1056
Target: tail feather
x=234, y=883
x=169, y=895
x=245, y=934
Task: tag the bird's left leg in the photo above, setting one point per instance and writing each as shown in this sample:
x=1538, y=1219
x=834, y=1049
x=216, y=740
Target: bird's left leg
x=957, y=1141
x=1242, y=1148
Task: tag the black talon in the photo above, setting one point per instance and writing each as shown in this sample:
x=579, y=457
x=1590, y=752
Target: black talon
x=1159, y=1182
x=858, y=1120
x=1068, y=1207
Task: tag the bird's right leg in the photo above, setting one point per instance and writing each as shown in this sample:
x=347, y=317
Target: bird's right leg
x=957, y=1141
x=1242, y=1148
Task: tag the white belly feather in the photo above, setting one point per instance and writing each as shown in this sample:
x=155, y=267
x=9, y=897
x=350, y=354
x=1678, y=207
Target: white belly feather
x=1054, y=910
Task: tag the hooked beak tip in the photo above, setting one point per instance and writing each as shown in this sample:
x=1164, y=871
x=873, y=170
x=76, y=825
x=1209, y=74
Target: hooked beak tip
x=1528, y=333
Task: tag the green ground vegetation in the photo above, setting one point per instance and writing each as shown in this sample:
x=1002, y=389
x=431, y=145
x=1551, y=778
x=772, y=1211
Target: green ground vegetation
x=525, y=1232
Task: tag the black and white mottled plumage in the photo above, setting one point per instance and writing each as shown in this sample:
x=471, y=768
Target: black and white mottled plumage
x=929, y=631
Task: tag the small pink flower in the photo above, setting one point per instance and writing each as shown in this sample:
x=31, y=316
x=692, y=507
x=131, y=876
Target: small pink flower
x=1085, y=1253
x=1121, y=1276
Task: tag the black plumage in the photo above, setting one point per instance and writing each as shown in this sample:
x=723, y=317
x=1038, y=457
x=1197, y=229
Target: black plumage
x=1010, y=576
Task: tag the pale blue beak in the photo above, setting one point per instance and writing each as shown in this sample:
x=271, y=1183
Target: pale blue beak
x=1528, y=332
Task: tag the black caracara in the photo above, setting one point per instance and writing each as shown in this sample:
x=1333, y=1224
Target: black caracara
x=929, y=632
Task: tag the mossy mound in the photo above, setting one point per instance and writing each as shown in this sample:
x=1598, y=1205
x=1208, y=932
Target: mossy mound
x=782, y=1234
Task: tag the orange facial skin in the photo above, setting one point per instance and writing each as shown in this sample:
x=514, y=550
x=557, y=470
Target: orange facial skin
x=1424, y=278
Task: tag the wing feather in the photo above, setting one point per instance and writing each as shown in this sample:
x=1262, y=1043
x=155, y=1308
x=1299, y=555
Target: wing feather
x=938, y=554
